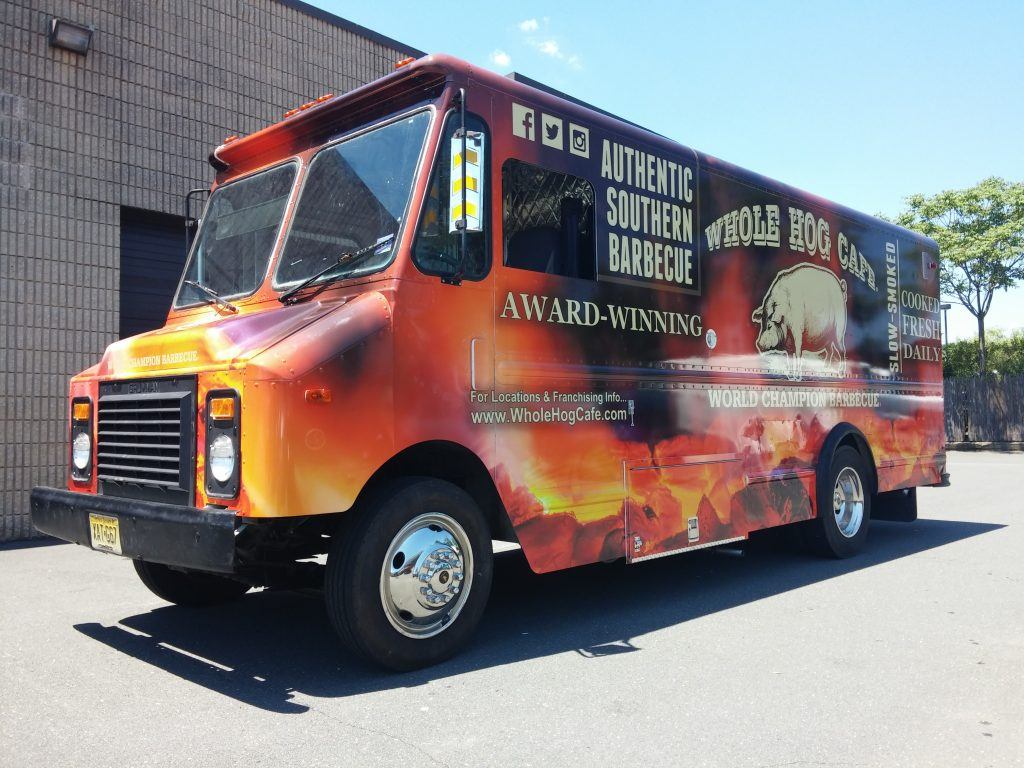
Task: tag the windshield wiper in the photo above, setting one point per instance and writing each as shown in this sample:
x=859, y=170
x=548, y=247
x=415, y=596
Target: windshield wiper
x=345, y=260
x=213, y=296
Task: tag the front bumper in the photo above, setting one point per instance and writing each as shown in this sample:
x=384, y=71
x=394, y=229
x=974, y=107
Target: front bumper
x=186, y=537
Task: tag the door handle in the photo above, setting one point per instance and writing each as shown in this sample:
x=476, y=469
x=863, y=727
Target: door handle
x=479, y=364
x=472, y=363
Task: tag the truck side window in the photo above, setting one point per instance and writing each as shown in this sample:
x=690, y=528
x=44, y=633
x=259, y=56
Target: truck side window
x=548, y=221
x=436, y=250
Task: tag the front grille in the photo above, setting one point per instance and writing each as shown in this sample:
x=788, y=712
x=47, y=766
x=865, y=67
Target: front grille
x=145, y=445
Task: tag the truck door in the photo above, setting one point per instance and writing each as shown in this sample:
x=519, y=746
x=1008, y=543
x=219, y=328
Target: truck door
x=445, y=311
x=561, y=421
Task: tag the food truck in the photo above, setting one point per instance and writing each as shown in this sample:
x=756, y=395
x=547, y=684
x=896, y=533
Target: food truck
x=451, y=307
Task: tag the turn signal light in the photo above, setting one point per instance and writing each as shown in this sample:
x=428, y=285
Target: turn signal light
x=321, y=395
x=222, y=408
x=80, y=412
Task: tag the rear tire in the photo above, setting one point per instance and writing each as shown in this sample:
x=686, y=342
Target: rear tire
x=844, y=506
x=408, y=578
x=188, y=587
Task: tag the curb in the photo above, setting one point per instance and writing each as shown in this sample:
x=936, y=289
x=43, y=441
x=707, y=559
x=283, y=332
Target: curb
x=1003, y=446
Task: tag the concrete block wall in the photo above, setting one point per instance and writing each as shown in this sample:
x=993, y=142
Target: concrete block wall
x=128, y=124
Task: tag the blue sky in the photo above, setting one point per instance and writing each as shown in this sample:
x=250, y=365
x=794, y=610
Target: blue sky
x=862, y=103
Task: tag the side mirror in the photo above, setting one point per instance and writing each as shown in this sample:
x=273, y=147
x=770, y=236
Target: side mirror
x=193, y=198
x=465, y=206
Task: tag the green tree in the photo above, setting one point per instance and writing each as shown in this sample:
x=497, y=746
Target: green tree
x=960, y=359
x=1004, y=353
x=980, y=232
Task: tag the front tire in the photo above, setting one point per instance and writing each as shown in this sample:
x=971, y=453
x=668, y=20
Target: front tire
x=844, y=506
x=408, y=579
x=188, y=587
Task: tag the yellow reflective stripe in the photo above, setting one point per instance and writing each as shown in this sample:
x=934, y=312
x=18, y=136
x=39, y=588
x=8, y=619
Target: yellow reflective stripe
x=470, y=210
x=457, y=184
x=474, y=158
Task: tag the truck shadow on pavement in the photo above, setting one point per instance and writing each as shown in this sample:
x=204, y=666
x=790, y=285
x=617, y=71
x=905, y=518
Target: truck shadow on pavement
x=269, y=647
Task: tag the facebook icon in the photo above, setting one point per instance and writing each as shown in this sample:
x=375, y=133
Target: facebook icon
x=522, y=122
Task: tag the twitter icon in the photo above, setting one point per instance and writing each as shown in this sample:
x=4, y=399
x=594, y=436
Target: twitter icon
x=551, y=131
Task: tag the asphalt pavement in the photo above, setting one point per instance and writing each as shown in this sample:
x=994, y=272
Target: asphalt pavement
x=911, y=654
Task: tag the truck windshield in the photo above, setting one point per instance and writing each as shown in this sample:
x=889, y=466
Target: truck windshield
x=237, y=236
x=356, y=193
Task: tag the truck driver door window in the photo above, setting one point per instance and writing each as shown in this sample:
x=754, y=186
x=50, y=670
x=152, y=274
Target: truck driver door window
x=436, y=251
x=548, y=221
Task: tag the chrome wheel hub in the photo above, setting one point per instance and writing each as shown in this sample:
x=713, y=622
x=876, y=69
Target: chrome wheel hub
x=426, y=575
x=848, y=502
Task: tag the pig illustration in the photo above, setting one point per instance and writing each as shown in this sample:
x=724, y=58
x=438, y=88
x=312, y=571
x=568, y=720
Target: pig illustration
x=804, y=310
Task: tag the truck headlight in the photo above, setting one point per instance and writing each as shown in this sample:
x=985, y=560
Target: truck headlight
x=221, y=458
x=81, y=439
x=81, y=451
x=223, y=428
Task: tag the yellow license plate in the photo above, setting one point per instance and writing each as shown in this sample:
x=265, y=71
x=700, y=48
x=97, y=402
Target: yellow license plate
x=105, y=533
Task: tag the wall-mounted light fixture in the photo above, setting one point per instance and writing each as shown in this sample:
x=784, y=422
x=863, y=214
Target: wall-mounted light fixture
x=69, y=35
